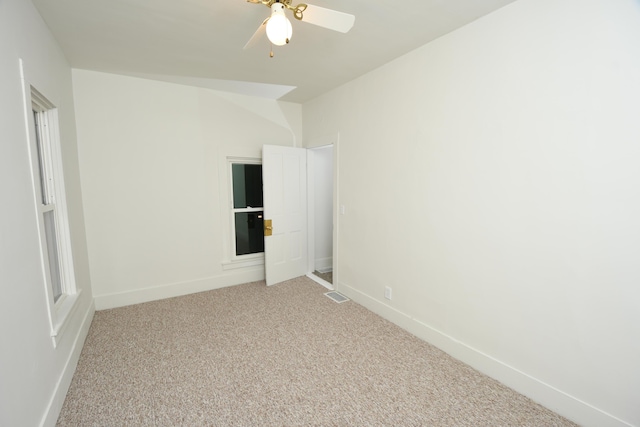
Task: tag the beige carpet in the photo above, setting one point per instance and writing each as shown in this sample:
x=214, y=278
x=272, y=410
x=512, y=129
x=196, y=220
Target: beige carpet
x=285, y=355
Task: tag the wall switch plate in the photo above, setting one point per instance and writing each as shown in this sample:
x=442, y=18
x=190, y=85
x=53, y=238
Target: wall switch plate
x=387, y=292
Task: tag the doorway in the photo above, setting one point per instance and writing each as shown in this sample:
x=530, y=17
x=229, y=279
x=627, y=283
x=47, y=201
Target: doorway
x=310, y=195
x=320, y=162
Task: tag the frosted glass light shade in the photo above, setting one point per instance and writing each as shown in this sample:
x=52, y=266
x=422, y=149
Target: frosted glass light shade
x=279, y=29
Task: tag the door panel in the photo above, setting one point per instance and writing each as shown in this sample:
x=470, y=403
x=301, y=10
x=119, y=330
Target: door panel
x=284, y=178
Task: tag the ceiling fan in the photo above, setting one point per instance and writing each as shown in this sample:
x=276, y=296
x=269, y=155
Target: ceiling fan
x=278, y=27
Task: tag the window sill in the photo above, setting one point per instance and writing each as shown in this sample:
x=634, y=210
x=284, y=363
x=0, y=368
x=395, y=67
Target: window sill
x=63, y=311
x=243, y=263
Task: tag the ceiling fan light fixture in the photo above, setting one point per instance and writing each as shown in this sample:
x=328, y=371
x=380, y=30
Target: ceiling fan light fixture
x=279, y=29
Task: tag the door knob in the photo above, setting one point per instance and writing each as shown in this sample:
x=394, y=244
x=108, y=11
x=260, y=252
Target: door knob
x=268, y=227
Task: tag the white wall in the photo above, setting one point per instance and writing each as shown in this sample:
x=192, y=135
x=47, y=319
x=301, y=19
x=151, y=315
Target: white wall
x=491, y=178
x=34, y=376
x=156, y=181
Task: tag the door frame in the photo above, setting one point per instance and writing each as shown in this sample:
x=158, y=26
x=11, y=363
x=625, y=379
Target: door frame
x=325, y=141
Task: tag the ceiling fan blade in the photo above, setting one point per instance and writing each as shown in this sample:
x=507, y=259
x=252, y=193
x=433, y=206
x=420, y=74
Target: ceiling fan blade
x=257, y=35
x=327, y=18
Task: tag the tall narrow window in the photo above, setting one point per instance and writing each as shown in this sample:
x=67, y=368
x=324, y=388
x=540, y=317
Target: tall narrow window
x=47, y=207
x=53, y=226
x=247, y=208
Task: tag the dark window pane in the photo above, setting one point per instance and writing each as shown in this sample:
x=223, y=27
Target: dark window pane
x=43, y=188
x=249, y=233
x=247, y=186
x=52, y=252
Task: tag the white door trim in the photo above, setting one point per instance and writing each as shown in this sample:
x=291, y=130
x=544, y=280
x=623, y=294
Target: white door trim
x=324, y=141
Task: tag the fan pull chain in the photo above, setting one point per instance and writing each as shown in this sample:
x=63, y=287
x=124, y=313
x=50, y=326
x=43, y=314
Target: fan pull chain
x=271, y=51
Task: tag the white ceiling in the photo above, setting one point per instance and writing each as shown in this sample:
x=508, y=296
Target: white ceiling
x=199, y=42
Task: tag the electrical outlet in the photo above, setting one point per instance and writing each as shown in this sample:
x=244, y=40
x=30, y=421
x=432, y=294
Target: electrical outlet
x=387, y=292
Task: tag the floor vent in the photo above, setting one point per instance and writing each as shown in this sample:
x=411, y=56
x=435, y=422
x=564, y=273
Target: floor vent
x=337, y=297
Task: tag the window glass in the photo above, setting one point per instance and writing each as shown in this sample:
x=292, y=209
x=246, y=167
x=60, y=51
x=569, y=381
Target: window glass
x=247, y=185
x=41, y=157
x=249, y=233
x=247, y=208
x=52, y=253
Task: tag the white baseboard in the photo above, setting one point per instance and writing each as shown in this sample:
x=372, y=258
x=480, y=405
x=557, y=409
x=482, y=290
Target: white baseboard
x=60, y=393
x=121, y=299
x=558, y=401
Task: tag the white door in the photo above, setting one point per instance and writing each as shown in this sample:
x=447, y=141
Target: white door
x=284, y=180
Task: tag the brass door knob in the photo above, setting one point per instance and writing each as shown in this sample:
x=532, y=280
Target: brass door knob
x=268, y=227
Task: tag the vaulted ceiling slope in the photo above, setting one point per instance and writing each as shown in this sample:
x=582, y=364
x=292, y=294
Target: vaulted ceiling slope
x=200, y=42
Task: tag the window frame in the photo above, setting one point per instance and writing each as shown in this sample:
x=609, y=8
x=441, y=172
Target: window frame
x=231, y=260
x=49, y=196
x=234, y=210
